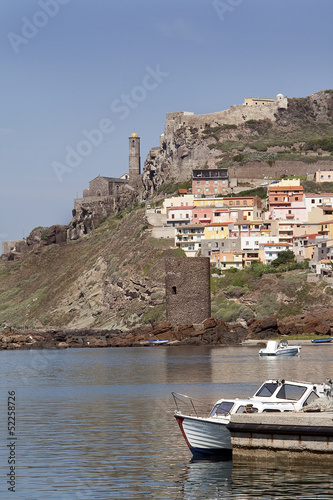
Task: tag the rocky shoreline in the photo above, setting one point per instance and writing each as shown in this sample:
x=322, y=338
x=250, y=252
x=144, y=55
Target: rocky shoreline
x=211, y=332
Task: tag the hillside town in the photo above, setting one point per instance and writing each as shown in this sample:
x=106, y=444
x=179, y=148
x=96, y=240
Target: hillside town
x=235, y=231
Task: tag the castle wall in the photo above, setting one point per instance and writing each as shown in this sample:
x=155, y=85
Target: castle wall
x=235, y=115
x=187, y=282
x=258, y=170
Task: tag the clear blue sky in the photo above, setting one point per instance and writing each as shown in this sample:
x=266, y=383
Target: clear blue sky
x=71, y=66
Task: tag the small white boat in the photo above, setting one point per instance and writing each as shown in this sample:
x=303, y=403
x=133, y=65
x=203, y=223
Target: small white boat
x=159, y=341
x=274, y=348
x=208, y=435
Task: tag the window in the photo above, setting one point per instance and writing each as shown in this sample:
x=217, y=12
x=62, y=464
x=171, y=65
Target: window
x=198, y=189
x=133, y=143
x=198, y=182
x=296, y=198
x=247, y=409
x=222, y=408
x=237, y=202
x=195, y=215
x=172, y=216
x=267, y=389
x=174, y=290
x=207, y=189
x=230, y=202
x=293, y=392
x=312, y=397
x=275, y=199
x=187, y=216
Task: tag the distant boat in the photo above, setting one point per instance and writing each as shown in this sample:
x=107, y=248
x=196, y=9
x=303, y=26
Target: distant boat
x=274, y=348
x=322, y=341
x=158, y=341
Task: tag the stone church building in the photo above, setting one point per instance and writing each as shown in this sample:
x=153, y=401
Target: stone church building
x=110, y=186
x=106, y=196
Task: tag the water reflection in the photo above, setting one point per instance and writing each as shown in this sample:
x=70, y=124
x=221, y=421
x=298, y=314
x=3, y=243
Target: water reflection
x=98, y=424
x=221, y=480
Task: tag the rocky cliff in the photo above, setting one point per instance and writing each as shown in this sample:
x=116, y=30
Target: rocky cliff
x=251, y=143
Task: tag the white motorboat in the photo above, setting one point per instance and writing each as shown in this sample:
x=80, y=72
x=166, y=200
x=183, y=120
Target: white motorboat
x=274, y=348
x=208, y=435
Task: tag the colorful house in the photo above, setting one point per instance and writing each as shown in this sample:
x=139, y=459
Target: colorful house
x=210, y=182
x=270, y=251
x=188, y=238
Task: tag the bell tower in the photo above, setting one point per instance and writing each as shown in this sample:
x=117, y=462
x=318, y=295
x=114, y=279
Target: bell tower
x=134, y=159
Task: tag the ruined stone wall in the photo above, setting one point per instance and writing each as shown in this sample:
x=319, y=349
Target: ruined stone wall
x=187, y=282
x=235, y=115
x=258, y=170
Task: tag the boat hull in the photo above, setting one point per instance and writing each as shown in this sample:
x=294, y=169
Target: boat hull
x=206, y=438
x=284, y=352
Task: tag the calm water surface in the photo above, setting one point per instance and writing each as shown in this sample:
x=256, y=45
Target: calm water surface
x=98, y=424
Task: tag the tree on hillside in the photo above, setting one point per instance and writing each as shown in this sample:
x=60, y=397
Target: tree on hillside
x=285, y=257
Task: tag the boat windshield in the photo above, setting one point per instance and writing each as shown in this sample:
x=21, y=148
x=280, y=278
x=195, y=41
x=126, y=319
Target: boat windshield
x=267, y=389
x=293, y=392
x=222, y=408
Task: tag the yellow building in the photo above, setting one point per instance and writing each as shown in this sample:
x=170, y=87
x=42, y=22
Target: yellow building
x=326, y=228
x=257, y=101
x=217, y=231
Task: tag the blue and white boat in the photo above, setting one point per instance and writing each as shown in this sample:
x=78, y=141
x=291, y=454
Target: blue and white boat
x=207, y=435
x=274, y=348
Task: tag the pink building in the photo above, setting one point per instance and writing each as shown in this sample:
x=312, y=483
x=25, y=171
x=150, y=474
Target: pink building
x=202, y=214
x=293, y=211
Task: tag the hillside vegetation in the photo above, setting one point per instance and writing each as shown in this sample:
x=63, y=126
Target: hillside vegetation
x=114, y=278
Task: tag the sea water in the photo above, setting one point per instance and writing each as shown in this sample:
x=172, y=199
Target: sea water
x=97, y=424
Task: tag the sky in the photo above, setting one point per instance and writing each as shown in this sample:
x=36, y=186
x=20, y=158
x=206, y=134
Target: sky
x=79, y=76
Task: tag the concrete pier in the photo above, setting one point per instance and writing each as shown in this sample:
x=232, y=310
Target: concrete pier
x=288, y=437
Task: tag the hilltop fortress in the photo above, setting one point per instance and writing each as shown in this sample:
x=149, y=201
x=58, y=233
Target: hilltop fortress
x=253, y=108
x=176, y=158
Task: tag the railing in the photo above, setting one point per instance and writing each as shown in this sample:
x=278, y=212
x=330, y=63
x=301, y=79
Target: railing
x=191, y=406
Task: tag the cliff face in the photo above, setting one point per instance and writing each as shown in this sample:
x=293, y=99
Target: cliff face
x=112, y=277
x=255, y=138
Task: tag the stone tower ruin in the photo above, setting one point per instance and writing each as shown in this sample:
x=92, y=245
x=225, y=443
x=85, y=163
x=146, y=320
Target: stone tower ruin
x=187, y=282
x=134, y=159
